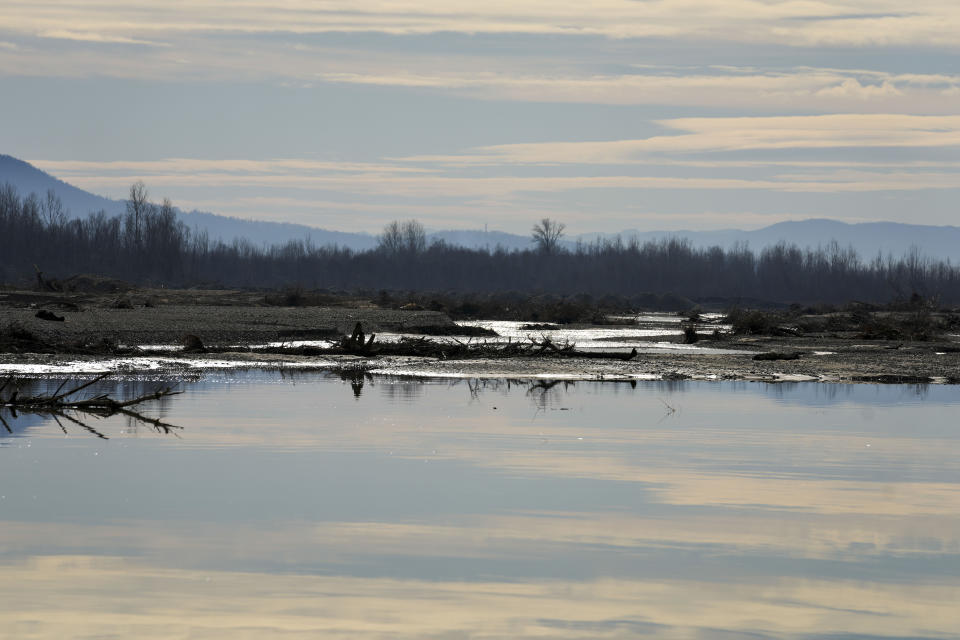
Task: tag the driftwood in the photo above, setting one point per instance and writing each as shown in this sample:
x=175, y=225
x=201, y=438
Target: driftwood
x=45, y=284
x=192, y=344
x=359, y=344
x=776, y=355
x=355, y=343
x=547, y=347
x=59, y=405
x=43, y=314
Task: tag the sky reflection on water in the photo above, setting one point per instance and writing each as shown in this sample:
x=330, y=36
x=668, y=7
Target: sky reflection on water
x=308, y=504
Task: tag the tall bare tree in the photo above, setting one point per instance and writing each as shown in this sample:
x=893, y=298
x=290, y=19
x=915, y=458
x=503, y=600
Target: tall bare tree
x=414, y=237
x=137, y=206
x=547, y=235
x=391, y=240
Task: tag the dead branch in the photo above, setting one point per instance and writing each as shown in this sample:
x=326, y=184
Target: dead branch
x=79, y=423
x=58, y=405
x=43, y=284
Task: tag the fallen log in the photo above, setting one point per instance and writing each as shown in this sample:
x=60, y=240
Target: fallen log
x=776, y=355
x=58, y=405
x=606, y=355
x=43, y=314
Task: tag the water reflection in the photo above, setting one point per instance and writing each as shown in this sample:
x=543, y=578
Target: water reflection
x=356, y=379
x=367, y=507
x=791, y=392
x=26, y=402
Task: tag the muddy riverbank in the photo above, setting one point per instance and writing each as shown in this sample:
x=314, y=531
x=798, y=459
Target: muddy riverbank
x=239, y=327
x=215, y=317
x=872, y=364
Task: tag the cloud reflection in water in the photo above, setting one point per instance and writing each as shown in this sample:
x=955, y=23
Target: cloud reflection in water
x=567, y=511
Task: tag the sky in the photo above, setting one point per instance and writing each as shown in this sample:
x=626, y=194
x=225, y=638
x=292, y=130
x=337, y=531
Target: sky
x=607, y=115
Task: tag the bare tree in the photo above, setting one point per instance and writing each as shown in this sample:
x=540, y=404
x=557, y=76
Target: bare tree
x=547, y=234
x=414, y=237
x=136, y=210
x=403, y=237
x=391, y=240
x=52, y=210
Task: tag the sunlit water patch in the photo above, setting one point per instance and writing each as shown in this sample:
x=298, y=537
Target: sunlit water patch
x=146, y=364
x=648, y=333
x=306, y=504
x=645, y=336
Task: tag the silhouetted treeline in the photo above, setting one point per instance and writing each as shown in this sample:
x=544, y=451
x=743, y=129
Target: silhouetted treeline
x=149, y=245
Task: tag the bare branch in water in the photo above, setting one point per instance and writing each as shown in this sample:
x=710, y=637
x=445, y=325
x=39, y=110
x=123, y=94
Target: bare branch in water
x=101, y=406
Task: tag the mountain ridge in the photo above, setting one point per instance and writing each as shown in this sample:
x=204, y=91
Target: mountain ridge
x=29, y=179
x=867, y=238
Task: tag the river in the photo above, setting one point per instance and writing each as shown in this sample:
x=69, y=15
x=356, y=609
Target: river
x=309, y=504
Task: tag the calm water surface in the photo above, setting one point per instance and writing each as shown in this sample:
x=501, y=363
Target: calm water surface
x=312, y=506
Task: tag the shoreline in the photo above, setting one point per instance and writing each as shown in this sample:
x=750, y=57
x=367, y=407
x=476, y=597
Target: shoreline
x=668, y=367
x=241, y=319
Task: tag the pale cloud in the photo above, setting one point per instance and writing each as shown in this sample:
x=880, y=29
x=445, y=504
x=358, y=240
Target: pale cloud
x=275, y=41
x=510, y=78
x=853, y=89
x=708, y=135
x=87, y=36
x=783, y=89
x=561, y=179
x=284, y=166
x=471, y=187
x=803, y=24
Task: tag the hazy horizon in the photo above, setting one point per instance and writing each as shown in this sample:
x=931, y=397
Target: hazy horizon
x=660, y=116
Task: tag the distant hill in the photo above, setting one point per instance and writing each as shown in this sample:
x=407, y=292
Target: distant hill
x=261, y=232
x=28, y=179
x=477, y=239
x=867, y=238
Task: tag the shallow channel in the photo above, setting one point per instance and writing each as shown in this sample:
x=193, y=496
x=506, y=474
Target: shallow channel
x=310, y=504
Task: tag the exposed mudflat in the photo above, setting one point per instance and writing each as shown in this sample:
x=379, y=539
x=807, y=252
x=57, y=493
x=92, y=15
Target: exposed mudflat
x=215, y=317
x=238, y=318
